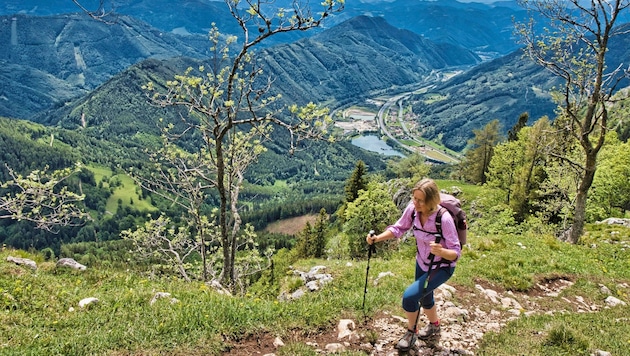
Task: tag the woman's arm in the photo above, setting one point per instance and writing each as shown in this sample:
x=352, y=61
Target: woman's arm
x=441, y=251
x=385, y=235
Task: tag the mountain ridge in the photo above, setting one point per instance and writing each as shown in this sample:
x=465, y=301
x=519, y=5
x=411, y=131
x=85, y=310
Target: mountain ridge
x=329, y=75
x=69, y=55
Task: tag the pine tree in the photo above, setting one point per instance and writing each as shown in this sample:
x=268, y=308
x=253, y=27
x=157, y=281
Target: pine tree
x=319, y=234
x=356, y=182
x=477, y=160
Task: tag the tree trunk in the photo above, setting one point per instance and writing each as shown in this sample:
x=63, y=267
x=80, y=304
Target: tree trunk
x=579, y=217
x=202, y=237
x=228, y=267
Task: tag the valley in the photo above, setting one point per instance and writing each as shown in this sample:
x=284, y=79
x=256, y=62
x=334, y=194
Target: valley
x=392, y=117
x=193, y=197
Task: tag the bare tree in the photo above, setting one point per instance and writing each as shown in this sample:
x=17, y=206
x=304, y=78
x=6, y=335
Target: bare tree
x=103, y=13
x=229, y=107
x=575, y=48
x=41, y=198
x=160, y=240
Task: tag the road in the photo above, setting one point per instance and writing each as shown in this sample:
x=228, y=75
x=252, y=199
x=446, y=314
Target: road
x=425, y=150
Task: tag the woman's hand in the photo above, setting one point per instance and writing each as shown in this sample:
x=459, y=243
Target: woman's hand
x=436, y=249
x=439, y=250
x=370, y=239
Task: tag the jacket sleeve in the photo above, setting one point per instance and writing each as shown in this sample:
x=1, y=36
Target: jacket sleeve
x=404, y=223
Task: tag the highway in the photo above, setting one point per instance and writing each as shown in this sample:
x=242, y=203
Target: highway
x=424, y=149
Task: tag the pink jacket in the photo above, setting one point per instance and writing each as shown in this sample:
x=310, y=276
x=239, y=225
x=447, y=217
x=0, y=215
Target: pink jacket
x=425, y=236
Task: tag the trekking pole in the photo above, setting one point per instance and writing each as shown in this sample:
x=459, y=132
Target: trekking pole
x=426, y=281
x=371, y=249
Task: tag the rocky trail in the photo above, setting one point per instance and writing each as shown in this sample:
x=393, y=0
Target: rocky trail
x=478, y=311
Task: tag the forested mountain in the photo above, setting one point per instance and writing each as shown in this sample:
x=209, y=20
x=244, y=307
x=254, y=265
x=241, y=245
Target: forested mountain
x=341, y=65
x=500, y=89
x=352, y=60
x=484, y=28
x=481, y=27
x=55, y=58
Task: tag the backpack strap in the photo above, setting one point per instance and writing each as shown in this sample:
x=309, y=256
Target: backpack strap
x=437, y=234
x=438, y=222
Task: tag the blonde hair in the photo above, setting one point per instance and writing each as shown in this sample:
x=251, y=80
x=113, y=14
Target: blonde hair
x=430, y=190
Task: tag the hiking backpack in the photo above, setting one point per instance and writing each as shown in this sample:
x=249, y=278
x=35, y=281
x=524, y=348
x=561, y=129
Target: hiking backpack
x=454, y=207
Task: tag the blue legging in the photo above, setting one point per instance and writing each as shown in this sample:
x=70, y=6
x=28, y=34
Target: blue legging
x=415, y=291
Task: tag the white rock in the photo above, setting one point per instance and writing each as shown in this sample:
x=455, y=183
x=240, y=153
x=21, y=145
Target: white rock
x=277, y=342
x=448, y=288
x=383, y=275
x=22, y=261
x=335, y=347
x=316, y=269
x=87, y=301
x=71, y=263
x=159, y=295
x=345, y=328
x=604, y=289
x=297, y=294
x=516, y=312
x=613, y=302
x=312, y=286
x=493, y=295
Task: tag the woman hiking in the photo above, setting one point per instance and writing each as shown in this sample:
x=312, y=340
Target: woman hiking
x=425, y=201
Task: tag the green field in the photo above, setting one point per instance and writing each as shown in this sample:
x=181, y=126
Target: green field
x=125, y=190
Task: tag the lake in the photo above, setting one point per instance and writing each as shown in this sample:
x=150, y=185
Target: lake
x=375, y=144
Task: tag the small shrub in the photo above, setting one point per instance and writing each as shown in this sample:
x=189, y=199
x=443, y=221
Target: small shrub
x=48, y=254
x=293, y=283
x=371, y=336
x=566, y=339
x=553, y=243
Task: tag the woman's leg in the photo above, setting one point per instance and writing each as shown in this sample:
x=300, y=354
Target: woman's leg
x=416, y=292
x=429, y=308
x=431, y=314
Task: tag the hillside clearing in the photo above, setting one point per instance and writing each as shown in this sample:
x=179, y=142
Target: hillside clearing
x=291, y=226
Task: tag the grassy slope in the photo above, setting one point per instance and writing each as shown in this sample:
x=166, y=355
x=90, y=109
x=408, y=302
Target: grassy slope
x=35, y=316
x=126, y=191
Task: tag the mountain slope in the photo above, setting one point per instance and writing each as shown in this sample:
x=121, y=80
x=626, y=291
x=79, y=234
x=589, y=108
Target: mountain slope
x=26, y=90
x=340, y=65
x=55, y=58
x=484, y=28
x=481, y=27
x=500, y=89
x=354, y=58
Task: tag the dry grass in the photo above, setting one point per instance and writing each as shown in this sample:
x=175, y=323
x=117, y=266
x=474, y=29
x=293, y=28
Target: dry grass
x=291, y=226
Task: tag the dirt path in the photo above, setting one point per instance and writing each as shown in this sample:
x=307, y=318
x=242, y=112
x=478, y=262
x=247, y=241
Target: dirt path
x=486, y=308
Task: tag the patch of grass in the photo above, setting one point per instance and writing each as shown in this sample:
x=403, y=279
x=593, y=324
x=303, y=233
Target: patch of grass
x=39, y=312
x=297, y=348
x=562, y=334
x=125, y=190
x=36, y=316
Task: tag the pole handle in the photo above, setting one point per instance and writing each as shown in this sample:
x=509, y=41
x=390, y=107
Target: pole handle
x=372, y=247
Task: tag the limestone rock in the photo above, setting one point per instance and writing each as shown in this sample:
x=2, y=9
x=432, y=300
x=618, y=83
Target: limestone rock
x=23, y=262
x=71, y=263
x=163, y=295
x=87, y=302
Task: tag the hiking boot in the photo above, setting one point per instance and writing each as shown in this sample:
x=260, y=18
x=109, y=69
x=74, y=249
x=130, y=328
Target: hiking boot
x=428, y=331
x=407, y=341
